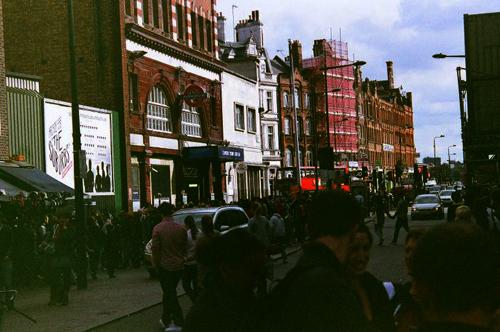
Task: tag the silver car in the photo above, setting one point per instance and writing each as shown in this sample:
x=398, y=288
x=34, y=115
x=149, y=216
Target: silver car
x=427, y=206
x=445, y=197
x=225, y=219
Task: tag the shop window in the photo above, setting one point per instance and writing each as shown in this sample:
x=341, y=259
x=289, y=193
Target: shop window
x=251, y=120
x=190, y=121
x=159, y=117
x=239, y=117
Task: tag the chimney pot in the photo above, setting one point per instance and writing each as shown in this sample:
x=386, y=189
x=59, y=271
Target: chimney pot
x=390, y=74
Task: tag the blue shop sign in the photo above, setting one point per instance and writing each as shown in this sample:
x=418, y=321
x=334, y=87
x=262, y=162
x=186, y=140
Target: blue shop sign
x=233, y=154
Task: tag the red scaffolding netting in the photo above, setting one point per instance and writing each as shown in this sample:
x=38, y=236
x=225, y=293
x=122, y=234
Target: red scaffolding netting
x=341, y=100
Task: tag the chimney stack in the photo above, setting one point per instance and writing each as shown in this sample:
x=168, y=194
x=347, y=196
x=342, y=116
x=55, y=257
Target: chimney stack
x=390, y=74
x=221, y=26
x=297, y=54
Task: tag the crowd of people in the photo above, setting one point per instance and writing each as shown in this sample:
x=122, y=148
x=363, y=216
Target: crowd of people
x=329, y=288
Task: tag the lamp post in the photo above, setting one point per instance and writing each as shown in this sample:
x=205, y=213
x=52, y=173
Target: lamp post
x=449, y=159
x=77, y=156
x=295, y=114
x=434, y=144
x=463, y=117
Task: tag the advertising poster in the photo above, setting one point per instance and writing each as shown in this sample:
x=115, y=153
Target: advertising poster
x=95, y=128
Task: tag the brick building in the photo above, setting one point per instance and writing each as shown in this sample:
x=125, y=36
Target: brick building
x=337, y=96
x=386, y=131
x=288, y=126
x=4, y=129
x=37, y=45
x=174, y=75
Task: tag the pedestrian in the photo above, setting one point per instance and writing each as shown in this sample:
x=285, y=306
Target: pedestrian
x=316, y=295
x=6, y=246
x=169, y=252
x=408, y=313
x=371, y=292
x=278, y=235
x=401, y=216
x=111, y=245
x=61, y=260
x=455, y=278
x=189, y=278
x=204, y=249
x=228, y=300
x=259, y=226
x=457, y=201
x=381, y=209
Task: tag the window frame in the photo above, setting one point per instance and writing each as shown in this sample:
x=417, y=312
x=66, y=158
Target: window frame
x=191, y=112
x=251, y=123
x=287, y=128
x=155, y=106
x=242, y=108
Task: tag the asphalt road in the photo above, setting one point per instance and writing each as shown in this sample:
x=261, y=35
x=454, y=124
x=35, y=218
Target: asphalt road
x=386, y=263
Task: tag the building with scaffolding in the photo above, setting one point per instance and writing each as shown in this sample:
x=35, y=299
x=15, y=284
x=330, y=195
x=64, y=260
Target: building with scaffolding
x=336, y=97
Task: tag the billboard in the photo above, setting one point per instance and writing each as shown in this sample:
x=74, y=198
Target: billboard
x=96, y=139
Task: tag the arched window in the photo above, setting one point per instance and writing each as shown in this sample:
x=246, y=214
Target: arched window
x=309, y=158
x=287, y=126
x=309, y=127
x=159, y=117
x=191, y=122
x=286, y=101
x=289, y=157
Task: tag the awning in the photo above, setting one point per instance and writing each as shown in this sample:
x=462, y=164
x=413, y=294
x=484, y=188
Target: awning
x=30, y=179
x=10, y=190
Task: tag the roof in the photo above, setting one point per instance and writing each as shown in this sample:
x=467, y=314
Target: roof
x=30, y=179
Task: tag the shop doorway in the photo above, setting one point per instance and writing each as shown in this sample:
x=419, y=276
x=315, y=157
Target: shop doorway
x=160, y=184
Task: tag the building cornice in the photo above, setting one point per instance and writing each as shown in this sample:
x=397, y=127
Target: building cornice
x=167, y=46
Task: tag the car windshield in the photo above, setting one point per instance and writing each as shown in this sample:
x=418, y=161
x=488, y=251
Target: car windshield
x=446, y=193
x=427, y=200
x=179, y=217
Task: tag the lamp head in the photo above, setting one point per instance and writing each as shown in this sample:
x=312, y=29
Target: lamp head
x=439, y=56
x=359, y=63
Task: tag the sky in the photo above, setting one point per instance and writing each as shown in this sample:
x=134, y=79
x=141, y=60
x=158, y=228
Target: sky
x=407, y=32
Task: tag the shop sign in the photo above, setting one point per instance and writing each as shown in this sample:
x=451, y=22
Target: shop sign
x=96, y=139
x=235, y=154
x=388, y=148
x=353, y=164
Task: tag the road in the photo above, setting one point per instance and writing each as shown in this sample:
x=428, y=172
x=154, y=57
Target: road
x=386, y=263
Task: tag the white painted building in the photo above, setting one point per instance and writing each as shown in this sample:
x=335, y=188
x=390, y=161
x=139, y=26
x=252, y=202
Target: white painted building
x=240, y=107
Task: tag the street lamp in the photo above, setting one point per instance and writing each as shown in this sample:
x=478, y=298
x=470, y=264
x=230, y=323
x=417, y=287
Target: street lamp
x=434, y=144
x=442, y=56
x=449, y=159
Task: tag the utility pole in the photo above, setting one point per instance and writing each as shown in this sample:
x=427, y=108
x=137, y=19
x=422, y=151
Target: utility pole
x=77, y=155
x=295, y=115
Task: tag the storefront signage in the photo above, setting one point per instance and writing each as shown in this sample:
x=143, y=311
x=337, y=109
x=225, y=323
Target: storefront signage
x=95, y=127
x=388, y=148
x=234, y=154
x=353, y=164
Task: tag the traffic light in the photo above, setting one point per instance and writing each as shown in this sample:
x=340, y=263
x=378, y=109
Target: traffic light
x=425, y=174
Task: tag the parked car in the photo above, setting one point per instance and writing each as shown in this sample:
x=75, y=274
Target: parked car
x=427, y=206
x=445, y=197
x=225, y=219
x=434, y=190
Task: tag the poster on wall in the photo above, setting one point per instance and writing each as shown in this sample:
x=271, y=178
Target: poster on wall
x=95, y=128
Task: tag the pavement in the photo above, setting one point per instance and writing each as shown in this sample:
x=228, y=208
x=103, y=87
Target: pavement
x=104, y=301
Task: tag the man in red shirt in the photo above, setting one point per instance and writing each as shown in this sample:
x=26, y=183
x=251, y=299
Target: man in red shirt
x=169, y=250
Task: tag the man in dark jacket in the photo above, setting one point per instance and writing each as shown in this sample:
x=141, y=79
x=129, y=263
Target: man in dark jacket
x=315, y=295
